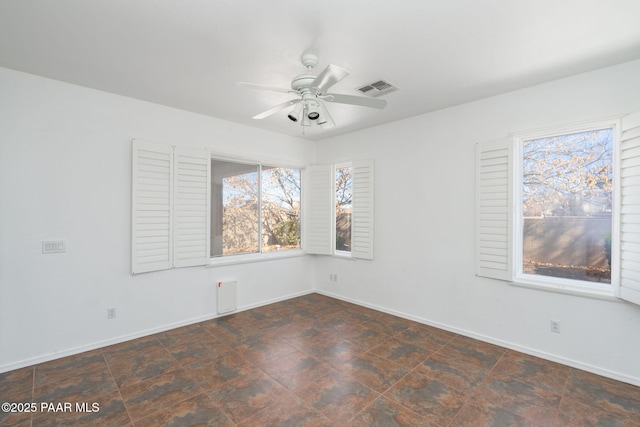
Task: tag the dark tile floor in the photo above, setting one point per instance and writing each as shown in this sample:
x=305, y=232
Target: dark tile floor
x=313, y=361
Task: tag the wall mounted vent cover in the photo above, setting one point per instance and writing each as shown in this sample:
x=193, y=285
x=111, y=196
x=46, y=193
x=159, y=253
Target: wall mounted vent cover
x=377, y=88
x=227, y=296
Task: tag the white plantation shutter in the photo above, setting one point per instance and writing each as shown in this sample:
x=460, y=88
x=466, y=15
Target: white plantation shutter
x=192, y=189
x=493, y=207
x=362, y=214
x=320, y=204
x=629, y=288
x=152, y=182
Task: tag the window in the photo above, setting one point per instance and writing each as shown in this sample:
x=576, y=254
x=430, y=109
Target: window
x=561, y=211
x=188, y=207
x=564, y=220
x=280, y=209
x=234, y=208
x=344, y=208
x=254, y=208
x=339, y=209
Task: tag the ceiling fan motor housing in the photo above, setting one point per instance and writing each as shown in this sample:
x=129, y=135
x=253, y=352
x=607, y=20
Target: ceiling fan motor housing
x=302, y=81
x=309, y=60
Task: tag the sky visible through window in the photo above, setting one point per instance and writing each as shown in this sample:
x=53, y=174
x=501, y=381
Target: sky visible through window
x=244, y=215
x=568, y=174
x=567, y=202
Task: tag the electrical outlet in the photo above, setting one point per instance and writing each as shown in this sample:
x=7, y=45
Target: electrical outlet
x=111, y=313
x=333, y=277
x=555, y=326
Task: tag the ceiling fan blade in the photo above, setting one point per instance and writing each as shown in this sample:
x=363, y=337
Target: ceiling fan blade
x=328, y=77
x=275, y=109
x=261, y=87
x=355, y=100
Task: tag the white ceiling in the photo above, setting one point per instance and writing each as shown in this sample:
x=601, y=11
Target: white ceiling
x=187, y=54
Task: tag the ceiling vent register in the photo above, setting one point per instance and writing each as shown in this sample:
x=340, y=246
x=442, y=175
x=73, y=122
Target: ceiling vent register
x=377, y=88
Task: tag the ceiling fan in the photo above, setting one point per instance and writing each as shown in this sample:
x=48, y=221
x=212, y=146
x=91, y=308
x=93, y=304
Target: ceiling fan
x=312, y=89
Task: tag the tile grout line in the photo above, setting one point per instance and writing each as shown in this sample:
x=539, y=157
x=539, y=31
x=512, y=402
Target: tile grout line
x=383, y=394
x=321, y=360
x=253, y=364
x=333, y=368
x=117, y=387
x=473, y=391
x=562, y=397
x=418, y=365
x=193, y=379
x=291, y=392
x=439, y=350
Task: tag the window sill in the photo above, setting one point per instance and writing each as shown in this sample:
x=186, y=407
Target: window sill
x=342, y=255
x=250, y=258
x=602, y=294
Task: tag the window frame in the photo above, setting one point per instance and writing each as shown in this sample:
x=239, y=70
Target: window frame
x=257, y=169
x=320, y=204
x=337, y=252
x=550, y=283
x=250, y=257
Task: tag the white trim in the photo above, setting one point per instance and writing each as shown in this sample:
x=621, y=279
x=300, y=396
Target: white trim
x=254, y=257
x=616, y=213
x=344, y=257
x=502, y=343
x=123, y=338
x=629, y=252
x=250, y=256
x=493, y=209
x=362, y=213
x=319, y=238
x=342, y=254
x=260, y=239
x=334, y=218
x=191, y=203
x=233, y=157
x=151, y=223
x=567, y=128
x=555, y=284
x=584, y=290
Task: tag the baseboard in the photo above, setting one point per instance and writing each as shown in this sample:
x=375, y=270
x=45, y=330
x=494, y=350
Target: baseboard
x=123, y=338
x=516, y=347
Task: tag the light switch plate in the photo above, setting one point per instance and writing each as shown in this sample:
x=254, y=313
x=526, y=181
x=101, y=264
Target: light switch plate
x=54, y=246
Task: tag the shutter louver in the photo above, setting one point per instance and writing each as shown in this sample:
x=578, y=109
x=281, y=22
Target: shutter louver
x=152, y=167
x=362, y=221
x=320, y=202
x=629, y=288
x=493, y=233
x=192, y=181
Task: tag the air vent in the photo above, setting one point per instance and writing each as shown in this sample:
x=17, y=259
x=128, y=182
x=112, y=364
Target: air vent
x=377, y=88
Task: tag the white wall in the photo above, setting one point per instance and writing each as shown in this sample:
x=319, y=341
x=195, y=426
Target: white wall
x=65, y=173
x=424, y=227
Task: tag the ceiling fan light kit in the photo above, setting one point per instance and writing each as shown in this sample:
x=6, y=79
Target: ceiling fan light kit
x=294, y=115
x=312, y=90
x=312, y=110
